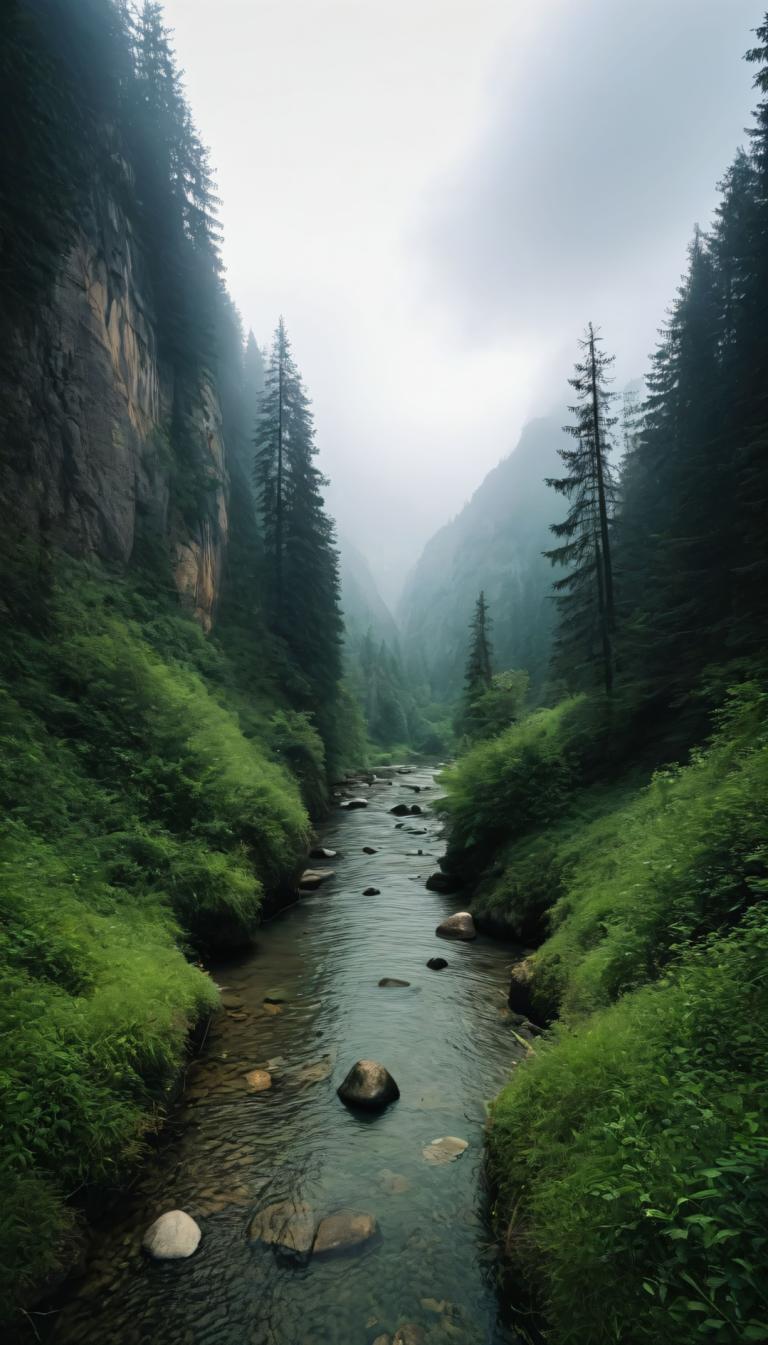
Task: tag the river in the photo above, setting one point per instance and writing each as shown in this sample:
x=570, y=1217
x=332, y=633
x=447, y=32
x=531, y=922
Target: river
x=304, y=1006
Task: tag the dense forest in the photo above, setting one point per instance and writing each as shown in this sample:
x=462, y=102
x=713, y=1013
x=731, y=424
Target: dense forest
x=621, y=832
x=197, y=673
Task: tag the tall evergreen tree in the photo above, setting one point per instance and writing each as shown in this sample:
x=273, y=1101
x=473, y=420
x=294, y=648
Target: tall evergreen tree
x=677, y=484
x=299, y=538
x=585, y=596
x=479, y=671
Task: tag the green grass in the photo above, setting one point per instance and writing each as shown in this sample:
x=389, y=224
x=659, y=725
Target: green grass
x=630, y=1153
x=147, y=806
x=631, y=1158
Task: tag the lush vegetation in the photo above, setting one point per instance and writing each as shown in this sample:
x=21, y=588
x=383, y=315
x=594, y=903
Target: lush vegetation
x=146, y=811
x=623, y=831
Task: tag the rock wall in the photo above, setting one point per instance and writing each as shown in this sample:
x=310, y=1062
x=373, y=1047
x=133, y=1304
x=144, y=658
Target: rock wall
x=84, y=403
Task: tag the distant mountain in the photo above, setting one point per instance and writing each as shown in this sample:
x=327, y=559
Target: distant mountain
x=494, y=544
x=363, y=606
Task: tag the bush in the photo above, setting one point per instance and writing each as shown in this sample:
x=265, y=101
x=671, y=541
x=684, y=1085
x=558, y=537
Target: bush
x=505, y=787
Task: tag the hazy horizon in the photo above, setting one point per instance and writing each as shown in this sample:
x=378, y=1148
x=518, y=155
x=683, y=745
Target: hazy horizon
x=414, y=188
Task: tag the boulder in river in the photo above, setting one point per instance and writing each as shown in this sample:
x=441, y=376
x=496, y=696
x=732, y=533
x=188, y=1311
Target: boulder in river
x=354, y=803
x=400, y=810
x=458, y=926
x=344, y=1231
x=415, y=809
x=369, y=850
x=520, y=998
x=445, y=1150
x=289, y=1224
x=368, y=1085
x=437, y=963
x=171, y=1237
x=322, y=852
x=388, y=981
x=372, y=892
x=311, y=879
x=446, y=883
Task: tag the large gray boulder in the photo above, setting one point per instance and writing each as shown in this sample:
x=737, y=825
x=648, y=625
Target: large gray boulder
x=171, y=1237
x=458, y=926
x=354, y=803
x=369, y=1086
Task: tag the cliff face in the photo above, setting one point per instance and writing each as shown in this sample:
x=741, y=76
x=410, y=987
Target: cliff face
x=86, y=404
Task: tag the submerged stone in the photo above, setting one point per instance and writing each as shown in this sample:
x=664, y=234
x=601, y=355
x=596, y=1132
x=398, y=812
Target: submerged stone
x=289, y=1224
x=445, y=1150
x=344, y=1231
x=392, y=981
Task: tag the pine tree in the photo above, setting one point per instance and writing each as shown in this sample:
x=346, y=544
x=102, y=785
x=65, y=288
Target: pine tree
x=585, y=596
x=479, y=669
x=299, y=538
x=675, y=526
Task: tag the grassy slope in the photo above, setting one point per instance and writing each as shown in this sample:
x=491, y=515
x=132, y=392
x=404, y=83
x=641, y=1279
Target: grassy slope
x=145, y=811
x=630, y=1153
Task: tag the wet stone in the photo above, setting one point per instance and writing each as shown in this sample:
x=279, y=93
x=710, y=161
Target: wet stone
x=288, y=1224
x=372, y=892
x=392, y=981
x=344, y=1231
x=368, y=1085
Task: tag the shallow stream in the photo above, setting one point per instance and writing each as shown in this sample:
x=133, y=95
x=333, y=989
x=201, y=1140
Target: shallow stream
x=304, y=1006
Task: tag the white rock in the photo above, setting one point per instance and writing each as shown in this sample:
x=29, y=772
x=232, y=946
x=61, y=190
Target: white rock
x=172, y=1236
x=458, y=926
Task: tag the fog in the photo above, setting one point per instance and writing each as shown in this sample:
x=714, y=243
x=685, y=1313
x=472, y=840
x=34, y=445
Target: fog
x=437, y=196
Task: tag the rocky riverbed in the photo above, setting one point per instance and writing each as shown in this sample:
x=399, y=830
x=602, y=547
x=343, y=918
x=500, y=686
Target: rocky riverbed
x=324, y=1223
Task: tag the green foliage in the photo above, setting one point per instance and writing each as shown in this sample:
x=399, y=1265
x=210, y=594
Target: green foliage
x=138, y=820
x=500, y=705
x=686, y=855
x=631, y=1157
x=512, y=783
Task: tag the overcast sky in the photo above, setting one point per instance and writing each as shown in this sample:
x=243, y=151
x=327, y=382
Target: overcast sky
x=438, y=194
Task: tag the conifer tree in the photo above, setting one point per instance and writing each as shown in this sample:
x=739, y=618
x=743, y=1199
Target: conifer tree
x=479, y=669
x=585, y=596
x=299, y=540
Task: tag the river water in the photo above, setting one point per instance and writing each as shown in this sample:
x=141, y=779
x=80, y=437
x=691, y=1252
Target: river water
x=305, y=1005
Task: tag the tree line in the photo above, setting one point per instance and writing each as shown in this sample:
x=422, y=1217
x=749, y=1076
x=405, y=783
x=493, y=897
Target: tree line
x=667, y=554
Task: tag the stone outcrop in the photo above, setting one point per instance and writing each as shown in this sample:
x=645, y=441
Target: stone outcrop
x=86, y=403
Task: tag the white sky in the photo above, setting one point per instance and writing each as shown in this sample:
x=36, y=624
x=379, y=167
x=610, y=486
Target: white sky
x=390, y=176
